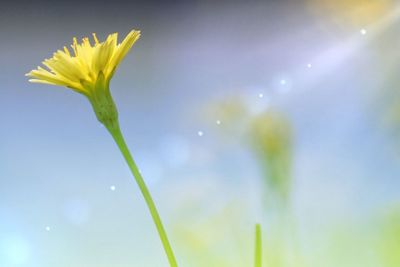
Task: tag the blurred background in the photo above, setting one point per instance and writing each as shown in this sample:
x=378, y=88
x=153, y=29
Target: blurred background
x=284, y=113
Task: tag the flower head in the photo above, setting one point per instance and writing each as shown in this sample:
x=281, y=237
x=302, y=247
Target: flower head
x=271, y=134
x=87, y=69
x=81, y=69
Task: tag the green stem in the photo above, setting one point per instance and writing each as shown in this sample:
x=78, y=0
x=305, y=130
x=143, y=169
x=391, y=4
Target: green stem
x=258, y=247
x=115, y=131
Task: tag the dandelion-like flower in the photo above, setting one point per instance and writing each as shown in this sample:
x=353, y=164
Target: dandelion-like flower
x=88, y=69
x=272, y=139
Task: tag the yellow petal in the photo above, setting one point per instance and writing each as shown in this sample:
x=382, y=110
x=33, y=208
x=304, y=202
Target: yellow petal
x=65, y=66
x=47, y=77
x=103, y=53
x=96, y=41
x=123, y=49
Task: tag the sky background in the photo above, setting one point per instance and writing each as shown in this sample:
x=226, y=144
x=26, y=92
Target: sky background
x=66, y=196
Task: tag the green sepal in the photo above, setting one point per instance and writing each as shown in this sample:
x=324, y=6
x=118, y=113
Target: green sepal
x=103, y=103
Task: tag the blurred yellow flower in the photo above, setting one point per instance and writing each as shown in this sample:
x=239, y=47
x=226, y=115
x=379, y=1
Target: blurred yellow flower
x=271, y=136
x=87, y=65
x=355, y=12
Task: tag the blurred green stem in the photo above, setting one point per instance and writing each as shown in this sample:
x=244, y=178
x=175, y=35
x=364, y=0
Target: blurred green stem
x=115, y=131
x=258, y=247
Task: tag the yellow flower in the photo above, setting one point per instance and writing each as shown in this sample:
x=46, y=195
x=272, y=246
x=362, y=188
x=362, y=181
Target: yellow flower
x=81, y=70
x=271, y=135
x=88, y=70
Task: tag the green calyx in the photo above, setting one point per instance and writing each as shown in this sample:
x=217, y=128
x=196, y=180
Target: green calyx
x=102, y=102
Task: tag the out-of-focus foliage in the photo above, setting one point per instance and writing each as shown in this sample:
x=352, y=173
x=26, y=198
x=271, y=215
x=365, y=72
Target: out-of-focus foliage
x=390, y=239
x=219, y=240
